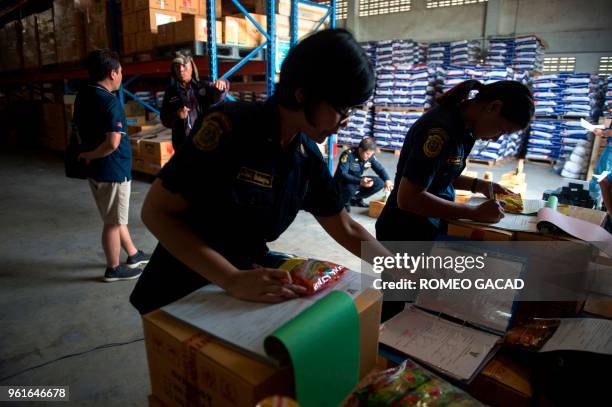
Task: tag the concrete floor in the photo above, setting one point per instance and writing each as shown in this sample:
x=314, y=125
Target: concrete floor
x=53, y=304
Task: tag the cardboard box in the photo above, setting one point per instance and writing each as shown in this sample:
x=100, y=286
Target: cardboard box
x=148, y=20
x=165, y=34
x=188, y=7
x=218, y=9
x=234, y=30
x=254, y=37
x=158, y=148
x=144, y=41
x=478, y=232
x=46, y=37
x=194, y=28
x=188, y=367
x=29, y=37
x=138, y=163
x=153, y=166
x=54, y=127
x=96, y=23
x=169, y=5
x=129, y=43
x=305, y=27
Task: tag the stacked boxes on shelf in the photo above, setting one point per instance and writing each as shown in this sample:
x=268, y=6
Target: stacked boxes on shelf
x=500, y=52
x=96, y=22
x=358, y=127
x=47, y=44
x=140, y=20
x=528, y=54
x=29, y=37
x=544, y=139
x=151, y=149
x=439, y=53
x=69, y=30
x=465, y=52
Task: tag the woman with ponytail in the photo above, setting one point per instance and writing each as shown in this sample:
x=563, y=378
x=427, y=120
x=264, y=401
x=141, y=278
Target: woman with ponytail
x=433, y=157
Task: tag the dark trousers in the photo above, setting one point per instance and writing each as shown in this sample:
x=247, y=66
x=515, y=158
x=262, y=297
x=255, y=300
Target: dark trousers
x=356, y=191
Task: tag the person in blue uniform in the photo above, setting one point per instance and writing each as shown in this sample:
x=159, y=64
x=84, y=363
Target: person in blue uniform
x=239, y=181
x=434, y=155
x=354, y=187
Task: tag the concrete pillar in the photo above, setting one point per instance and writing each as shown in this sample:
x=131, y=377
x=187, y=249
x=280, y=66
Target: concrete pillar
x=352, y=18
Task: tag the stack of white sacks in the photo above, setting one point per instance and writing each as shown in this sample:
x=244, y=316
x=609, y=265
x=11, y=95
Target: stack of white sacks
x=548, y=93
x=581, y=96
x=390, y=127
x=358, y=127
x=465, y=52
x=439, y=54
x=544, y=141
x=528, y=54
x=500, y=52
x=575, y=152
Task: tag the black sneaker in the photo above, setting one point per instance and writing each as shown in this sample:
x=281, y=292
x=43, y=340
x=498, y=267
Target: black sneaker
x=137, y=260
x=359, y=203
x=121, y=272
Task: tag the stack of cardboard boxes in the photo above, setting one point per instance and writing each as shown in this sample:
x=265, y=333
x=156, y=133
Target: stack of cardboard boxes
x=151, y=148
x=46, y=37
x=140, y=21
x=10, y=46
x=29, y=37
x=69, y=30
x=95, y=14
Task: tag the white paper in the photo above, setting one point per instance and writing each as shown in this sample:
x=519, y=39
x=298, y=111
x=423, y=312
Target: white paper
x=454, y=349
x=488, y=308
x=601, y=176
x=582, y=334
x=245, y=324
x=590, y=127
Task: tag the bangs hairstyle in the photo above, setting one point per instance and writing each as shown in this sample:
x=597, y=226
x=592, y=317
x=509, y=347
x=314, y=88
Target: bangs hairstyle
x=516, y=98
x=328, y=66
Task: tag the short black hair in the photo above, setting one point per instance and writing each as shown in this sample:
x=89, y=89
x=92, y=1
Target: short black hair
x=329, y=66
x=367, y=144
x=100, y=63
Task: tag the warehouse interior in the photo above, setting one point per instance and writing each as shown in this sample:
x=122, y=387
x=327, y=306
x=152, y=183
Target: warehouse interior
x=62, y=326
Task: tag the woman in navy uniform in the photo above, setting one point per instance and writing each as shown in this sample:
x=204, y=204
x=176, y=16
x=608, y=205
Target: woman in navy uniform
x=354, y=187
x=247, y=170
x=433, y=158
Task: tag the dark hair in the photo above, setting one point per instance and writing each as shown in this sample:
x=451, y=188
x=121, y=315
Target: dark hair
x=367, y=144
x=100, y=63
x=329, y=66
x=516, y=98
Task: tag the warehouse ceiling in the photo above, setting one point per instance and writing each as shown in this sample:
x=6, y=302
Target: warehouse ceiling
x=16, y=9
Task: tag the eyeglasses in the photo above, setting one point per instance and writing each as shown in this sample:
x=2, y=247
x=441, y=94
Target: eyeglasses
x=345, y=113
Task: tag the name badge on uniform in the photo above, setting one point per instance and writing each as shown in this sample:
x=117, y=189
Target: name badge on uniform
x=454, y=160
x=255, y=177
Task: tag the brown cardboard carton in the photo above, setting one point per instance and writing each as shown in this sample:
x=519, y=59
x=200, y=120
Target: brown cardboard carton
x=190, y=28
x=96, y=23
x=283, y=7
x=158, y=148
x=46, y=37
x=234, y=30
x=138, y=163
x=254, y=37
x=31, y=52
x=165, y=34
x=218, y=9
x=129, y=43
x=188, y=367
x=478, y=232
x=188, y=7
x=169, y=5
x=144, y=41
x=148, y=20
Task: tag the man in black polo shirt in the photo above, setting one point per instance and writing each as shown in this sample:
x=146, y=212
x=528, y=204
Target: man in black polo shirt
x=100, y=121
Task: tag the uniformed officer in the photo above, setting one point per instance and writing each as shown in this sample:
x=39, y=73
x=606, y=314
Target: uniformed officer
x=354, y=187
x=266, y=166
x=188, y=97
x=434, y=153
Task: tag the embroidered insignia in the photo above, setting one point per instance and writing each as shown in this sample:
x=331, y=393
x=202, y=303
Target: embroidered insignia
x=213, y=126
x=435, y=141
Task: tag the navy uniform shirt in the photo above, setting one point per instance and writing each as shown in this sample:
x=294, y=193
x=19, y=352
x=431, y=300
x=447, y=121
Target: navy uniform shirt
x=433, y=156
x=351, y=167
x=243, y=190
x=98, y=112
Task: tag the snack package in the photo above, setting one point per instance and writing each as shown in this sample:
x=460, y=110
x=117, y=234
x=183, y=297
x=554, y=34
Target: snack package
x=409, y=385
x=312, y=274
x=533, y=335
x=512, y=203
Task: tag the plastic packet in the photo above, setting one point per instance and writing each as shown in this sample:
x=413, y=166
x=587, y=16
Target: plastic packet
x=532, y=335
x=312, y=274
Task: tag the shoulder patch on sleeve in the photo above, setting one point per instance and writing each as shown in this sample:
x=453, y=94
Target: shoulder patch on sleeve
x=344, y=157
x=436, y=137
x=213, y=126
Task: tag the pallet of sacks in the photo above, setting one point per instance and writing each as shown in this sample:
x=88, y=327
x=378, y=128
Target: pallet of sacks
x=151, y=148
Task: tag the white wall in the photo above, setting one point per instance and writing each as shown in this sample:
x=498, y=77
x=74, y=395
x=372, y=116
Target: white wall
x=582, y=29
